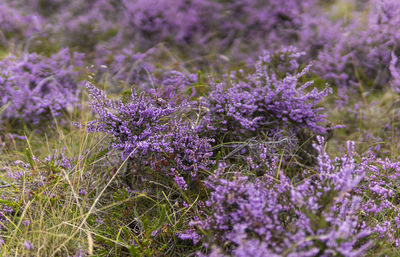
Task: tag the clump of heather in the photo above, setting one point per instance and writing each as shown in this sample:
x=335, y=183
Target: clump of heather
x=122, y=66
x=16, y=26
x=274, y=215
x=243, y=25
x=271, y=100
x=58, y=160
x=380, y=191
x=35, y=88
x=184, y=22
x=362, y=50
x=178, y=87
x=85, y=23
x=149, y=132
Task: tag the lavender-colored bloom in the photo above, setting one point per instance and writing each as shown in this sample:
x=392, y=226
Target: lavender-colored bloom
x=17, y=26
x=361, y=53
x=148, y=131
x=264, y=100
x=58, y=160
x=35, y=88
x=28, y=245
x=99, y=221
x=84, y=23
x=317, y=215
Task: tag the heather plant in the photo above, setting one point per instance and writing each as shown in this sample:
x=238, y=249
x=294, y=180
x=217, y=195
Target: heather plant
x=150, y=22
x=380, y=207
x=86, y=23
x=362, y=54
x=270, y=99
x=149, y=132
x=15, y=26
x=267, y=103
x=35, y=88
x=274, y=215
x=122, y=67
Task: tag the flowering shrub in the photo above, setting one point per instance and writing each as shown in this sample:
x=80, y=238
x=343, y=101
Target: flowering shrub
x=150, y=22
x=269, y=100
x=122, y=66
x=363, y=51
x=85, y=23
x=380, y=189
x=15, y=24
x=144, y=129
x=33, y=88
x=271, y=215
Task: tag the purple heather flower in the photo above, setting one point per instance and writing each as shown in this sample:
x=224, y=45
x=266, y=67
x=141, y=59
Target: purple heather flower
x=28, y=245
x=265, y=101
x=148, y=132
x=36, y=87
x=278, y=217
x=99, y=221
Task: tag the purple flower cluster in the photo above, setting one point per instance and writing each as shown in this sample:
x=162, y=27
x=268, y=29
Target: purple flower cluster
x=361, y=53
x=182, y=22
x=58, y=160
x=269, y=100
x=148, y=130
x=274, y=215
x=122, y=66
x=34, y=88
x=85, y=23
x=16, y=26
x=380, y=189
